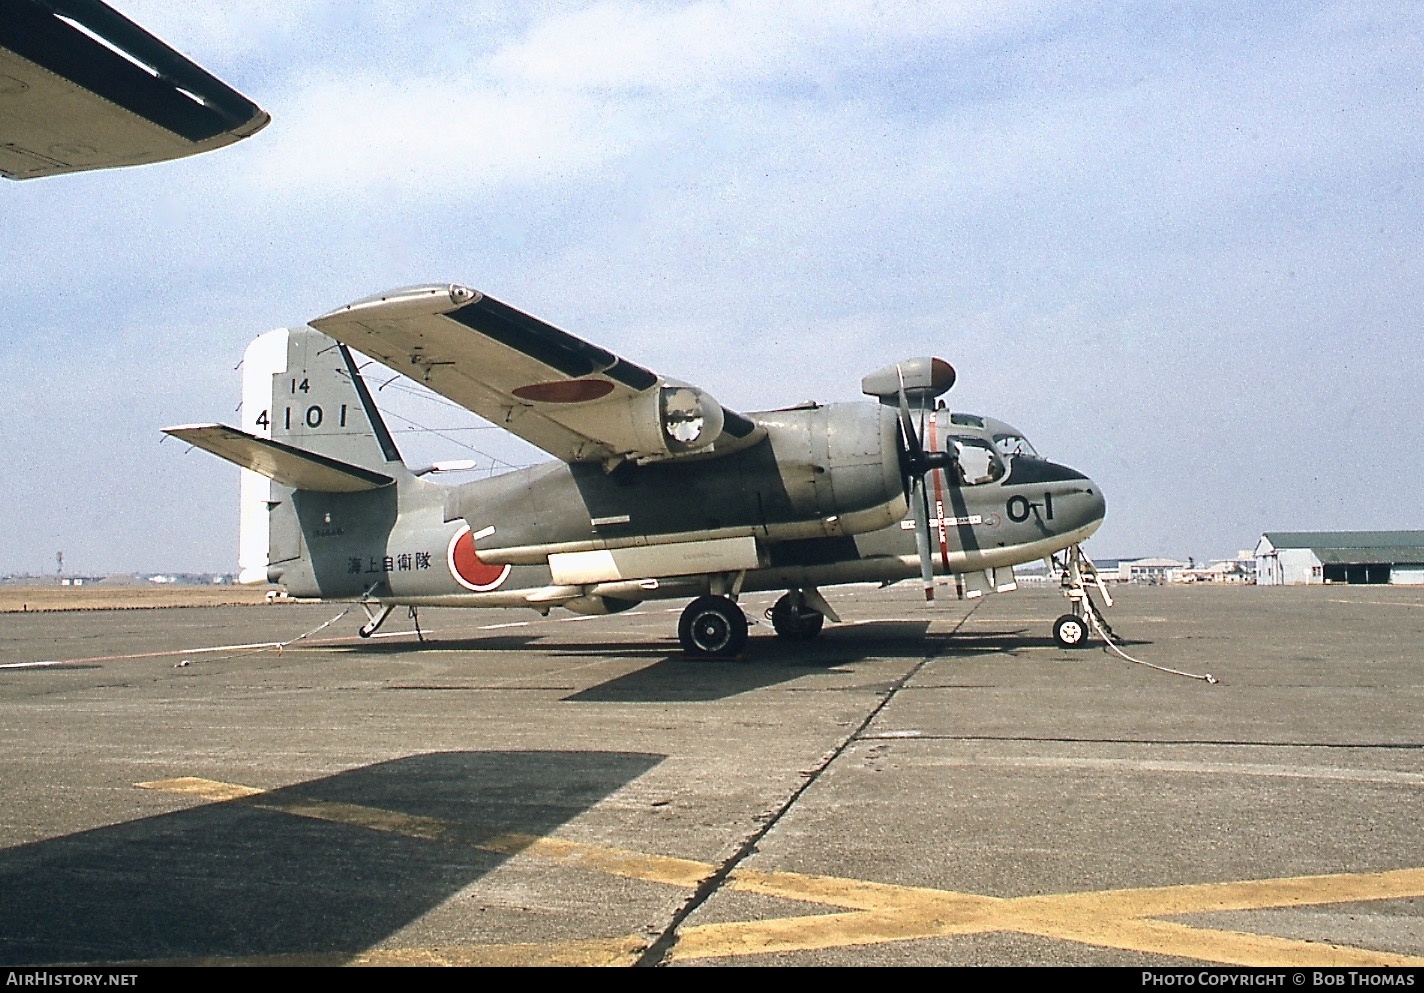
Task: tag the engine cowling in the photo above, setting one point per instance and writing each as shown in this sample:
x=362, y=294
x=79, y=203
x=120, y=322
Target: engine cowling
x=839, y=464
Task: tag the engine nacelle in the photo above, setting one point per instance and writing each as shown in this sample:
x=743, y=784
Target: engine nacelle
x=673, y=420
x=839, y=464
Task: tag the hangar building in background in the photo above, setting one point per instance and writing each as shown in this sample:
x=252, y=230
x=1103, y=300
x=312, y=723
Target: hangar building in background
x=1288, y=558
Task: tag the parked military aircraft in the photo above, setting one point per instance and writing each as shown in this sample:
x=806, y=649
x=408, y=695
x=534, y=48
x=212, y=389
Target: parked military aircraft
x=659, y=491
x=83, y=87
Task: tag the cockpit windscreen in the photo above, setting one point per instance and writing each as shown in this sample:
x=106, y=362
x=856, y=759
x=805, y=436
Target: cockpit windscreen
x=1010, y=445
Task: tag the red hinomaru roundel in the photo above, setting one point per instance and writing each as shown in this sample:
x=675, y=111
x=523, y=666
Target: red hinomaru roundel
x=466, y=567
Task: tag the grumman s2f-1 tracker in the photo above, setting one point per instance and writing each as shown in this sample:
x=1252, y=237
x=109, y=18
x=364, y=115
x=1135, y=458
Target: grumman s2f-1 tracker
x=660, y=492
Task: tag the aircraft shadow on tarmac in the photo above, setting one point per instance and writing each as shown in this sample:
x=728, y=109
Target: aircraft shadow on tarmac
x=769, y=661
x=239, y=879
x=493, y=643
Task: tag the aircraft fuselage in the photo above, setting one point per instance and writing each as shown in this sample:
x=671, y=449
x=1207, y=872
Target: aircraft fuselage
x=821, y=498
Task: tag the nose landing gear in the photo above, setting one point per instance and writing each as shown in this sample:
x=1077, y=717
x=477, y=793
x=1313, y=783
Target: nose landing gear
x=1072, y=629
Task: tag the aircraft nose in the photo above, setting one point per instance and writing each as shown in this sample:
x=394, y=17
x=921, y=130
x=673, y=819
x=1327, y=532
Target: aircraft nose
x=1097, y=504
x=1088, y=506
x=1082, y=499
x=1072, y=503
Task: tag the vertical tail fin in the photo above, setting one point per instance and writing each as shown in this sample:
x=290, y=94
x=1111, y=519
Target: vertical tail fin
x=302, y=388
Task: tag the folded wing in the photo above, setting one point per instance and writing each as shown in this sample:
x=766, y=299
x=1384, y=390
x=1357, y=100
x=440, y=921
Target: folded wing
x=571, y=398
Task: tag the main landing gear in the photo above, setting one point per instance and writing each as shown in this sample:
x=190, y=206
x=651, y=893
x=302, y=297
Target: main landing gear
x=712, y=627
x=794, y=619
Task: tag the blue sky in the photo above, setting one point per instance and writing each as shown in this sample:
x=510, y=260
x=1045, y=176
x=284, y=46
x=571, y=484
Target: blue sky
x=1176, y=243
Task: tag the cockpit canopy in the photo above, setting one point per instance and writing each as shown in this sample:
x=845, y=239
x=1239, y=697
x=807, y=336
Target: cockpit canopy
x=1006, y=440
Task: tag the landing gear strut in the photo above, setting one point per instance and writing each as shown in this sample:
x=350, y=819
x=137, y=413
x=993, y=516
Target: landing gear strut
x=794, y=619
x=712, y=627
x=374, y=617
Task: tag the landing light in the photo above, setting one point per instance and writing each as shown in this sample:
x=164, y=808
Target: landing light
x=684, y=416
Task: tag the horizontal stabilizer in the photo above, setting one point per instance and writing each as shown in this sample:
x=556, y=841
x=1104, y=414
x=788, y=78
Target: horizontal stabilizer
x=286, y=465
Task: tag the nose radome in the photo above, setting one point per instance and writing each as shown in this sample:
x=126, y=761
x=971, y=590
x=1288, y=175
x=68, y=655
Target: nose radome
x=1097, y=506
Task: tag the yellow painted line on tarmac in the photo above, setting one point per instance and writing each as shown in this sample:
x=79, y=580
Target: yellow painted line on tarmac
x=867, y=912
x=1107, y=919
x=596, y=858
x=205, y=788
x=856, y=894
x=612, y=861
x=1224, y=947
x=1257, y=894
x=801, y=934
x=610, y=952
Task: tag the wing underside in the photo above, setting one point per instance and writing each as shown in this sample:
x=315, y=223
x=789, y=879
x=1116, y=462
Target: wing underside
x=82, y=87
x=569, y=397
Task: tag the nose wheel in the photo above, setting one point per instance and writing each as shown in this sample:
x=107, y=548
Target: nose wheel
x=1070, y=631
x=712, y=627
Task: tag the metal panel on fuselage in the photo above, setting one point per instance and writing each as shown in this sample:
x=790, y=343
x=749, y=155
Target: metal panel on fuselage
x=780, y=487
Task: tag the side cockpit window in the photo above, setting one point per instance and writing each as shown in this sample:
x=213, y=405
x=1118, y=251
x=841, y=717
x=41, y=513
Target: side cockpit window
x=975, y=460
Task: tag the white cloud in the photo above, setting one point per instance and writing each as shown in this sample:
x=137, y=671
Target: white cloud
x=620, y=44
x=433, y=136
x=575, y=91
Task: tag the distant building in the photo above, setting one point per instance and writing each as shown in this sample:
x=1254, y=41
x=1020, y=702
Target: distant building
x=1150, y=570
x=1240, y=570
x=1288, y=558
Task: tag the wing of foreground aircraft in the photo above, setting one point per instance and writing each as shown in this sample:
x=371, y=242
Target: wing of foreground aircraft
x=83, y=87
x=571, y=398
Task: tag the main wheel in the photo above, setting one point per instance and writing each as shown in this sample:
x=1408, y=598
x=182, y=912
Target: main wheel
x=792, y=619
x=712, y=627
x=1070, y=631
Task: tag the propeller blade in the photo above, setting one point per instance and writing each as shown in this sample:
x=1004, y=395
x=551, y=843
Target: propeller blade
x=917, y=464
x=921, y=503
x=913, y=444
